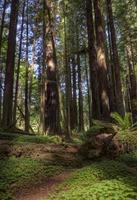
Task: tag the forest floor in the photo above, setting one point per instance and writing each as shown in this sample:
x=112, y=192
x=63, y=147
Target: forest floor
x=42, y=190
x=36, y=168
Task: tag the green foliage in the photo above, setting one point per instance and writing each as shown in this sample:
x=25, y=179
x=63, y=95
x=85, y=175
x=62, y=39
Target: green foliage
x=18, y=138
x=18, y=172
x=123, y=123
x=127, y=132
x=129, y=158
x=103, y=180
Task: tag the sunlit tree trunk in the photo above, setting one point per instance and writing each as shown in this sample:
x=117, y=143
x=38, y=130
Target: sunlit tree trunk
x=101, y=60
x=51, y=91
x=93, y=66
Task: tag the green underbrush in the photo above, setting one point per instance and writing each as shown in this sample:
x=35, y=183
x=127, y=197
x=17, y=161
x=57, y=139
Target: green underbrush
x=16, y=173
x=21, y=138
x=104, y=180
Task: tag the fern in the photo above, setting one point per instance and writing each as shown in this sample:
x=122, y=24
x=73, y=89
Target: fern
x=124, y=123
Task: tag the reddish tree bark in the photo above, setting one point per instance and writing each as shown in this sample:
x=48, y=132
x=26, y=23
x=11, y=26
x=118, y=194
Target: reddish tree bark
x=115, y=57
x=101, y=60
x=51, y=91
x=9, y=77
x=93, y=66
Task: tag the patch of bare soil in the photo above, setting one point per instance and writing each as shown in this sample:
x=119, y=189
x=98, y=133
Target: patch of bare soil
x=37, y=192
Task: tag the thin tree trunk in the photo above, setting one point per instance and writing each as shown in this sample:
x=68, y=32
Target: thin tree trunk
x=9, y=77
x=101, y=59
x=27, y=111
x=2, y=24
x=1, y=35
x=127, y=95
x=32, y=70
x=74, y=77
x=94, y=87
x=18, y=65
x=88, y=92
x=68, y=89
x=43, y=73
x=133, y=84
x=112, y=86
x=80, y=99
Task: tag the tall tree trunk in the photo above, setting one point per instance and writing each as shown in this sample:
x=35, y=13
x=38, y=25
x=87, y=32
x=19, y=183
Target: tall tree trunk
x=67, y=82
x=27, y=111
x=119, y=96
x=43, y=73
x=2, y=24
x=1, y=35
x=80, y=99
x=74, y=77
x=112, y=86
x=88, y=91
x=9, y=77
x=127, y=95
x=133, y=84
x=32, y=70
x=94, y=87
x=101, y=59
x=52, y=93
x=18, y=66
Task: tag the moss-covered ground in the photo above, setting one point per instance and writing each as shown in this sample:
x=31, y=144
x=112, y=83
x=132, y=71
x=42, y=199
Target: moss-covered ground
x=16, y=173
x=102, y=180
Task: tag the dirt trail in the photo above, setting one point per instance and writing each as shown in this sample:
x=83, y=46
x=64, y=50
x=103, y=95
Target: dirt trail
x=38, y=192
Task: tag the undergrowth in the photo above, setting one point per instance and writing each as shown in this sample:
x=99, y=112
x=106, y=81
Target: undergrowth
x=19, y=172
x=18, y=138
x=104, y=180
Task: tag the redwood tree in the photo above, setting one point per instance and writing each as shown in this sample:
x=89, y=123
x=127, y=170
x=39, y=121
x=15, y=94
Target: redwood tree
x=101, y=60
x=115, y=59
x=94, y=87
x=10, y=64
x=51, y=90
